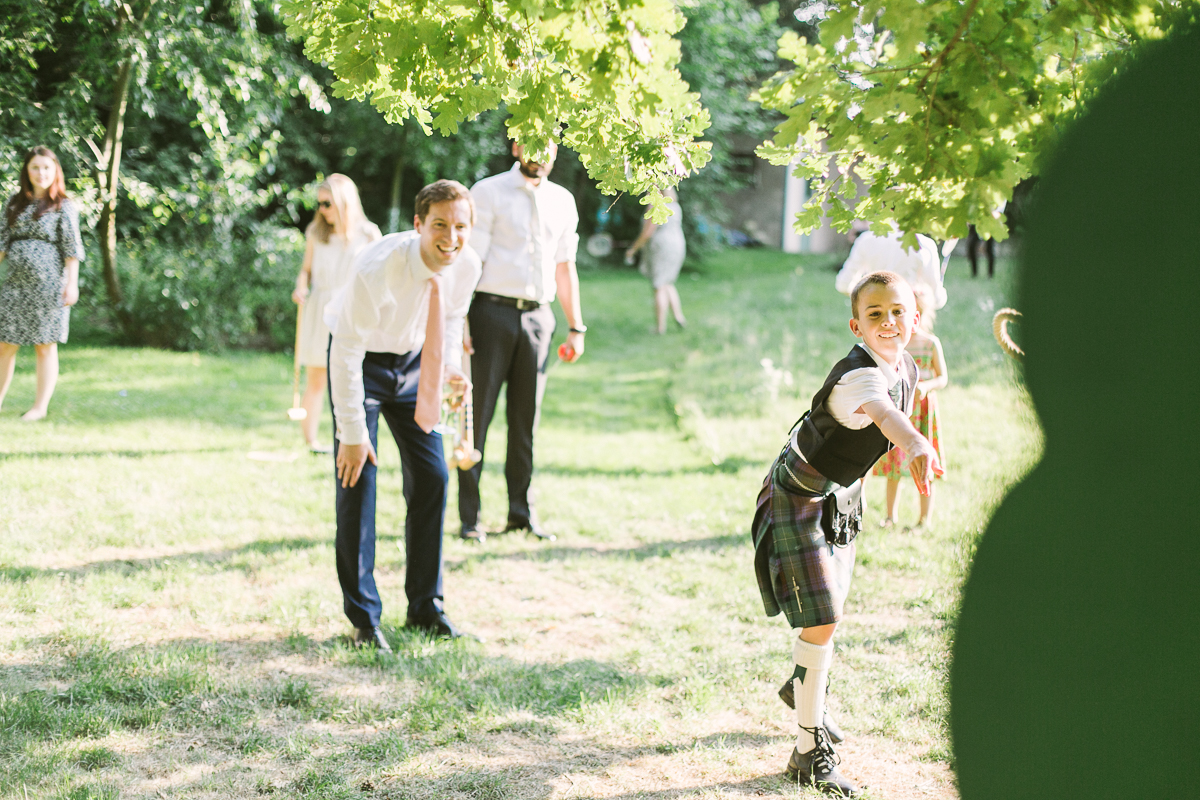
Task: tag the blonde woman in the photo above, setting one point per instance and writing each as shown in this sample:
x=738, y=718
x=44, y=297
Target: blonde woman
x=339, y=230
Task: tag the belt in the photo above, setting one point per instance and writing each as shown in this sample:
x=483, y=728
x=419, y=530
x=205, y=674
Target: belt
x=519, y=303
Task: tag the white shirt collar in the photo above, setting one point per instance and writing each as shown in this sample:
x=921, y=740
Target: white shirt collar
x=521, y=182
x=416, y=264
x=889, y=374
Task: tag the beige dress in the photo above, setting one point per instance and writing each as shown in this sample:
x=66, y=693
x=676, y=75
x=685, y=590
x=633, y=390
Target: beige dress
x=663, y=255
x=332, y=264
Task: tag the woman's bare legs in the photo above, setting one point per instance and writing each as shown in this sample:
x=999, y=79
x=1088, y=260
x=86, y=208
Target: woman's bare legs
x=47, y=377
x=666, y=298
x=662, y=301
x=314, y=394
x=893, y=494
x=676, y=305
x=926, y=508
x=8, y=362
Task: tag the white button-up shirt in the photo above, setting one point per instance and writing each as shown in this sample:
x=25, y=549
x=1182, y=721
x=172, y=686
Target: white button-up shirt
x=383, y=309
x=522, y=232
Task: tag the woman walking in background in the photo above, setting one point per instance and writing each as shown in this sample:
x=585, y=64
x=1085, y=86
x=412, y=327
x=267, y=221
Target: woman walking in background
x=338, y=231
x=39, y=238
x=662, y=259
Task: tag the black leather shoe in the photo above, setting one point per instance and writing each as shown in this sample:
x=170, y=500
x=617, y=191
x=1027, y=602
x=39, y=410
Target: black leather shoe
x=436, y=624
x=530, y=527
x=787, y=693
x=371, y=637
x=472, y=535
x=818, y=768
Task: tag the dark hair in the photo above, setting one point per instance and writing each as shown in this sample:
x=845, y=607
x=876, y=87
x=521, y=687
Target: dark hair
x=24, y=196
x=881, y=278
x=440, y=192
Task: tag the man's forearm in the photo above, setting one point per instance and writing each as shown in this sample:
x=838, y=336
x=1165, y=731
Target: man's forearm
x=567, y=280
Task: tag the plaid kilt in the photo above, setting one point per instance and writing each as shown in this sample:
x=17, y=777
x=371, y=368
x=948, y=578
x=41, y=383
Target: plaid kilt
x=798, y=572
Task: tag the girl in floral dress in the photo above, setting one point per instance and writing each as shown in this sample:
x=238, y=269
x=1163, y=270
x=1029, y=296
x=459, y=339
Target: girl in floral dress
x=39, y=239
x=926, y=350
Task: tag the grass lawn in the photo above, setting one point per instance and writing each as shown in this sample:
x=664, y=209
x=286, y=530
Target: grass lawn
x=171, y=625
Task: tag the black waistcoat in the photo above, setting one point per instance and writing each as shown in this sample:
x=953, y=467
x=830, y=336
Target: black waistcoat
x=839, y=453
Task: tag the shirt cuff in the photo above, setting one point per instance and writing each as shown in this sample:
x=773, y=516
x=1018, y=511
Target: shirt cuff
x=354, y=433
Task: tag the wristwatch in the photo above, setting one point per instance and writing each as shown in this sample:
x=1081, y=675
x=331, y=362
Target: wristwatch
x=580, y=329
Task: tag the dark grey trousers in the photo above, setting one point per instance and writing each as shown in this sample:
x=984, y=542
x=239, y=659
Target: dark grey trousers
x=513, y=347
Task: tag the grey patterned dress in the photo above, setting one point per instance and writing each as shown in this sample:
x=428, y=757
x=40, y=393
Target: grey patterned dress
x=31, y=309
x=662, y=257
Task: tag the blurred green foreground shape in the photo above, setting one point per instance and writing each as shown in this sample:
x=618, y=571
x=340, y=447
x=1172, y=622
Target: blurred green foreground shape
x=1076, y=668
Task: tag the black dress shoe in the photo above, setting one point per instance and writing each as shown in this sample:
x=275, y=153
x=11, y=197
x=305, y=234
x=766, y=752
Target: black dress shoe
x=472, y=535
x=371, y=637
x=787, y=693
x=818, y=768
x=529, y=527
x=436, y=624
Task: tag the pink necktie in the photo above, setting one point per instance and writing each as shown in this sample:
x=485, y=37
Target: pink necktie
x=429, y=386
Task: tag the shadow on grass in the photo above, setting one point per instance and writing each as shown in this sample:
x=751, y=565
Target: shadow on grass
x=432, y=693
x=39, y=454
x=730, y=466
x=640, y=553
x=129, y=566
x=524, y=782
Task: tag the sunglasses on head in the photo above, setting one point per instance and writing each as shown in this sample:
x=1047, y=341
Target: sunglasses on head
x=325, y=204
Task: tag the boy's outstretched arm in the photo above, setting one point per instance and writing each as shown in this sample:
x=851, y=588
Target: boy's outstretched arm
x=896, y=427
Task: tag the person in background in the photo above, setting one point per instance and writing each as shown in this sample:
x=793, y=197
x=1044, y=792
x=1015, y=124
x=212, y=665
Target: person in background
x=526, y=234
x=874, y=253
x=39, y=238
x=663, y=249
x=926, y=350
x=338, y=231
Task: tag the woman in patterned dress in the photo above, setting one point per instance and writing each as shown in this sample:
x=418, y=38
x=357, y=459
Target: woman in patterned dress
x=926, y=350
x=339, y=230
x=39, y=239
x=662, y=259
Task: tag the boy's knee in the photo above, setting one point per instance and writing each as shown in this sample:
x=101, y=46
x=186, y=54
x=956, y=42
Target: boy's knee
x=818, y=634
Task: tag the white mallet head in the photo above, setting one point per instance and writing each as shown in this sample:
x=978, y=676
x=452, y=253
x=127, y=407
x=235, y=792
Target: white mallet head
x=296, y=414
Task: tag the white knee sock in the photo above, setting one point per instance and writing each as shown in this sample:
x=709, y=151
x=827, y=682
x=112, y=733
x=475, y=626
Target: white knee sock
x=810, y=689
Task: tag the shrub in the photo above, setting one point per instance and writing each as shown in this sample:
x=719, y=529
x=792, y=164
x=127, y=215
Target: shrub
x=200, y=295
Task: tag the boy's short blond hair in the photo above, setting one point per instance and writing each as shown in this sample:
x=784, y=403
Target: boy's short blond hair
x=881, y=278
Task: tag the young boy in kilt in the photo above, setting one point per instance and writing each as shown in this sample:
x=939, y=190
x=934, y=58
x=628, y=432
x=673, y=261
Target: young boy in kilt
x=860, y=413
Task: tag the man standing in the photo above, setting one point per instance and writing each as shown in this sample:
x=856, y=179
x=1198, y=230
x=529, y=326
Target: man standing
x=526, y=235
x=397, y=332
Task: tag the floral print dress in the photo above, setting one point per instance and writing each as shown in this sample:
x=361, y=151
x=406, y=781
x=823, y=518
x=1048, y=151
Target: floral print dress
x=894, y=465
x=36, y=248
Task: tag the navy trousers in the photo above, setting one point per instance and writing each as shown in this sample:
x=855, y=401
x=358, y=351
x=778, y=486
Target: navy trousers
x=390, y=382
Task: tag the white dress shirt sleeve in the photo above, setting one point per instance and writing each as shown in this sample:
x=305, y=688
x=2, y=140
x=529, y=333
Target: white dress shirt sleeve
x=358, y=317
x=457, y=303
x=855, y=389
x=485, y=218
x=568, y=242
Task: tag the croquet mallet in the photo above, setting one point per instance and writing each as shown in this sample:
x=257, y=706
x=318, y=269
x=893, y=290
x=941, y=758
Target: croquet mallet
x=297, y=413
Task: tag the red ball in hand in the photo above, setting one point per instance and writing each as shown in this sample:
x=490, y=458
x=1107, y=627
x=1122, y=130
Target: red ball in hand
x=566, y=352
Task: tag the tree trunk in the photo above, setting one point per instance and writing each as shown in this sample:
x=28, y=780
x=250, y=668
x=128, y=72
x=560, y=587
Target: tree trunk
x=397, y=184
x=109, y=182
